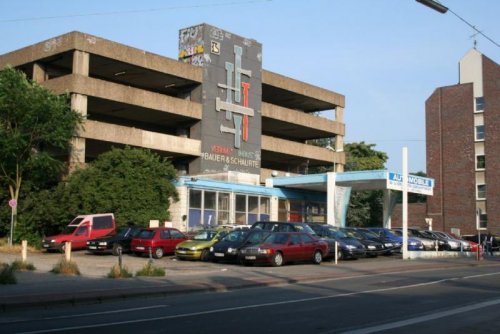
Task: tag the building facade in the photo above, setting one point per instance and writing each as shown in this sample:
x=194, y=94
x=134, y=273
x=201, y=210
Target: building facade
x=213, y=112
x=463, y=149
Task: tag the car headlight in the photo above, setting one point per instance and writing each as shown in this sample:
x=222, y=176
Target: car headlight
x=453, y=244
x=193, y=248
x=413, y=243
x=103, y=243
x=264, y=251
x=231, y=250
x=211, y=249
x=88, y=242
x=53, y=241
x=388, y=244
x=350, y=246
x=371, y=247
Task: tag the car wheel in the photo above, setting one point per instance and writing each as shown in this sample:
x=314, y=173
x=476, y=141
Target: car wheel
x=318, y=257
x=340, y=255
x=117, y=249
x=205, y=254
x=158, y=254
x=277, y=259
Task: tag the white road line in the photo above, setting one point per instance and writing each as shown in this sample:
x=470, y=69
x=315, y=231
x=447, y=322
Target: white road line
x=424, y=318
x=294, y=301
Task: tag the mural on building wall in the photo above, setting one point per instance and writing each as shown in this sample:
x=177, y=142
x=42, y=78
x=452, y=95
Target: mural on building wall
x=232, y=94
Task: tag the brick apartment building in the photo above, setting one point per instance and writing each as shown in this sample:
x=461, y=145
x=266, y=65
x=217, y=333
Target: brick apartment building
x=463, y=148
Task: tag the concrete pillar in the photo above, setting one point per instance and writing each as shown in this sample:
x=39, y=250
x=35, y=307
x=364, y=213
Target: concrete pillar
x=274, y=207
x=39, y=74
x=339, y=140
x=387, y=208
x=330, y=198
x=81, y=63
x=77, y=154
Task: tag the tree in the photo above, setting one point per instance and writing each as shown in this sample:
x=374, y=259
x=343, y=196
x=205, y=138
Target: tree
x=134, y=184
x=35, y=125
x=365, y=207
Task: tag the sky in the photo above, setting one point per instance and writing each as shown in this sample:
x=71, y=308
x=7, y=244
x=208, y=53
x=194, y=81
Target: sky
x=385, y=56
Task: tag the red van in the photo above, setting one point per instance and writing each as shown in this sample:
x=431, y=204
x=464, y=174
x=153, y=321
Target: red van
x=81, y=229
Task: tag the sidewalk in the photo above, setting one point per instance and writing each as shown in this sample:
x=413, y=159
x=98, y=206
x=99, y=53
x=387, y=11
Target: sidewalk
x=41, y=288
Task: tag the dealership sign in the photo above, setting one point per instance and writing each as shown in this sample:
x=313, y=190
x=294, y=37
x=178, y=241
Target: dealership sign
x=416, y=184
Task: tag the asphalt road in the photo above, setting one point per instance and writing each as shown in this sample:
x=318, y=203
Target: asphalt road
x=461, y=300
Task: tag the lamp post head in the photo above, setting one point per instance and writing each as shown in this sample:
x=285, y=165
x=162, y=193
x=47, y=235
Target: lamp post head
x=434, y=5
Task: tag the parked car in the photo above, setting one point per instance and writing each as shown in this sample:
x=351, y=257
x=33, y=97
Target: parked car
x=442, y=244
x=373, y=248
x=389, y=245
x=81, y=229
x=227, y=248
x=413, y=244
x=346, y=247
x=157, y=240
x=198, y=247
x=429, y=244
x=277, y=226
x=475, y=238
x=452, y=244
x=472, y=245
x=115, y=242
x=282, y=247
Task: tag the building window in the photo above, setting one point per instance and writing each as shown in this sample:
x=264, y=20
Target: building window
x=241, y=209
x=479, y=132
x=480, y=162
x=223, y=209
x=481, y=191
x=480, y=103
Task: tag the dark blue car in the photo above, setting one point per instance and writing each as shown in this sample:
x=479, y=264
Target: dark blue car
x=413, y=244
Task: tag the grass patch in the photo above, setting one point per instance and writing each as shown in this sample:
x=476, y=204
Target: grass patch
x=22, y=266
x=15, y=248
x=150, y=269
x=66, y=268
x=7, y=274
x=117, y=272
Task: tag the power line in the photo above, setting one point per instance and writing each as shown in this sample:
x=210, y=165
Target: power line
x=138, y=11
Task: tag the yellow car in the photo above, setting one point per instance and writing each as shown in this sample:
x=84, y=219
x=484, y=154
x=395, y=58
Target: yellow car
x=198, y=248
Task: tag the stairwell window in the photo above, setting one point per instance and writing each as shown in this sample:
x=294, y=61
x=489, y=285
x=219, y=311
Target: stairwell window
x=480, y=162
x=479, y=132
x=480, y=104
x=481, y=191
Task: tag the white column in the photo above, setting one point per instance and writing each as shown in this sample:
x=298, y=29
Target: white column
x=405, y=203
x=330, y=198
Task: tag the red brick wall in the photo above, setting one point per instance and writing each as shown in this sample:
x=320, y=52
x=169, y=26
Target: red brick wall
x=451, y=157
x=416, y=216
x=491, y=93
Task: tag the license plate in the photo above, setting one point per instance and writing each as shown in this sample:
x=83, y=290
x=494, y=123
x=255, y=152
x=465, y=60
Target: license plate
x=219, y=254
x=46, y=245
x=92, y=247
x=139, y=248
x=181, y=252
x=249, y=257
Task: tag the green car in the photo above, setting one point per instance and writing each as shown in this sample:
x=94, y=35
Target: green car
x=198, y=248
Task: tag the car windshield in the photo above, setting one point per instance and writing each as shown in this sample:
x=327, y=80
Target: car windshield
x=205, y=235
x=235, y=236
x=146, y=234
x=369, y=233
x=122, y=231
x=256, y=237
x=277, y=238
x=336, y=233
x=69, y=229
x=353, y=234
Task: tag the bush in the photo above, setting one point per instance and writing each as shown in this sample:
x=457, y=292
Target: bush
x=22, y=266
x=66, y=268
x=7, y=274
x=117, y=272
x=150, y=270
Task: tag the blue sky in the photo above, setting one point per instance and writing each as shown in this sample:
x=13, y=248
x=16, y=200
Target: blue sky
x=385, y=56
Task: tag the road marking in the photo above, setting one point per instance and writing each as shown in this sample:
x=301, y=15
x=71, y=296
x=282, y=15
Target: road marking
x=424, y=318
x=239, y=308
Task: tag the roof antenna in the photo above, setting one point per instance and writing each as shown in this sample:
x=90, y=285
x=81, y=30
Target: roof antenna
x=473, y=36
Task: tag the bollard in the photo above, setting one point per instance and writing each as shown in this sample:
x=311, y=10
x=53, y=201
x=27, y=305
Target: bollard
x=67, y=251
x=336, y=252
x=24, y=250
x=150, y=254
x=120, y=258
